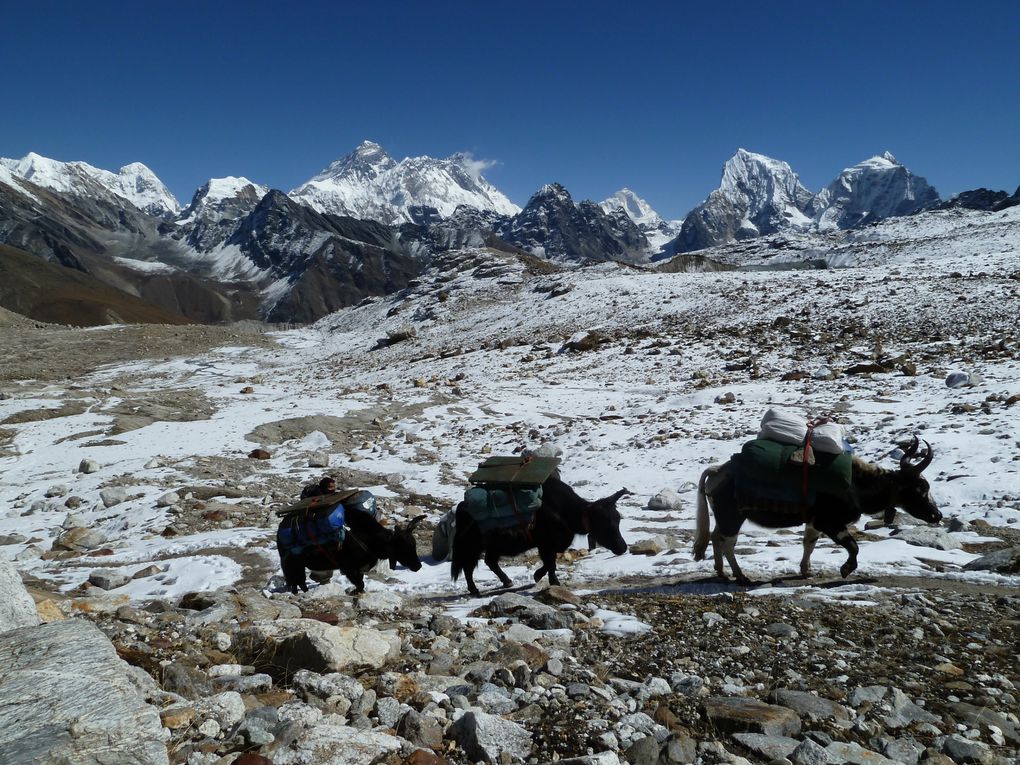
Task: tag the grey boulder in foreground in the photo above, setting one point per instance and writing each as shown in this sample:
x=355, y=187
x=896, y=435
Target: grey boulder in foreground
x=65, y=696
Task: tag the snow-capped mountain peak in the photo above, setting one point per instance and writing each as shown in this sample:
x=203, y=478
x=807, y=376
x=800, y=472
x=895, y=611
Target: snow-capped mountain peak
x=757, y=195
x=223, y=198
x=134, y=182
x=762, y=182
x=365, y=163
x=658, y=231
x=637, y=209
x=879, y=187
x=368, y=183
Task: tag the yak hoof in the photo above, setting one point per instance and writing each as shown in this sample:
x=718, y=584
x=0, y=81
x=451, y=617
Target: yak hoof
x=744, y=581
x=473, y=592
x=847, y=568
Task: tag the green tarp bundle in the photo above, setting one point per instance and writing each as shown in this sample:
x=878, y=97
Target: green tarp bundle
x=515, y=471
x=764, y=470
x=507, y=491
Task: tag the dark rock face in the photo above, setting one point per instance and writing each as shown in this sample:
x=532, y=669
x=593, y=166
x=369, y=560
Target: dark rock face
x=552, y=226
x=977, y=199
x=324, y=262
x=328, y=261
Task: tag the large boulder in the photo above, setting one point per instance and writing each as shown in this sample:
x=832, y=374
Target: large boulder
x=337, y=745
x=17, y=609
x=286, y=645
x=485, y=737
x=65, y=696
x=1005, y=561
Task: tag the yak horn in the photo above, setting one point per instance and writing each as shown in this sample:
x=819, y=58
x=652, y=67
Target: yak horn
x=928, y=455
x=911, y=451
x=414, y=522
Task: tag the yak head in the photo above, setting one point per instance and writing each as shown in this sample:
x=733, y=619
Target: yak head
x=913, y=492
x=604, y=523
x=402, y=547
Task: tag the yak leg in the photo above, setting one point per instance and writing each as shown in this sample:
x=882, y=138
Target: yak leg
x=492, y=561
x=357, y=579
x=548, y=566
x=723, y=545
x=811, y=535
x=469, y=575
x=294, y=573
x=845, y=539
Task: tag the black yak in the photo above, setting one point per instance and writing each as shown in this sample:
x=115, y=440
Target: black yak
x=873, y=490
x=561, y=516
x=366, y=542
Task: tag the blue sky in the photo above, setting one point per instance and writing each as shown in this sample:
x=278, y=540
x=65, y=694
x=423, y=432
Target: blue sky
x=593, y=95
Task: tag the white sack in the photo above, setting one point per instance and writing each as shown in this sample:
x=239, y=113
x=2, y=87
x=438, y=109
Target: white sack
x=783, y=426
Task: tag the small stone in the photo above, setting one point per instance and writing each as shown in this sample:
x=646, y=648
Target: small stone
x=88, y=466
x=106, y=579
x=113, y=496
x=809, y=753
x=259, y=454
x=177, y=717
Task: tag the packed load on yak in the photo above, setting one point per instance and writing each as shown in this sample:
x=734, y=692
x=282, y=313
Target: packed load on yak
x=791, y=462
x=320, y=521
x=505, y=492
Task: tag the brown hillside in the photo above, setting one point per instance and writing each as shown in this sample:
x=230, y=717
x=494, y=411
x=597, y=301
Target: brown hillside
x=40, y=290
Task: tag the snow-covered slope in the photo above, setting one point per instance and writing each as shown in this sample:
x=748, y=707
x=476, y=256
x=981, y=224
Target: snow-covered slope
x=368, y=183
x=677, y=374
x=930, y=235
x=134, y=182
x=652, y=225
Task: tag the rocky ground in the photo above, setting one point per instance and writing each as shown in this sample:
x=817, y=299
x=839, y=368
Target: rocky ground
x=916, y=673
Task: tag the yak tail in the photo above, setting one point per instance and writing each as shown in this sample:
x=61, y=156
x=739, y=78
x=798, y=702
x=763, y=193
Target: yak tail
x=455, y=568
x=701, y=529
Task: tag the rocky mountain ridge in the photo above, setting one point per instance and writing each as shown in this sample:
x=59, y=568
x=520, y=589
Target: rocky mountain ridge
x=240, y=250
x=758, y=196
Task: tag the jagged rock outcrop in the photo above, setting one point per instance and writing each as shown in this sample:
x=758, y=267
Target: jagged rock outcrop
x=758, y=195
x=65, y=696
x=981, y=199
x=870, y=191
x=552, y=226
x=316, y=263
x=217, y=205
